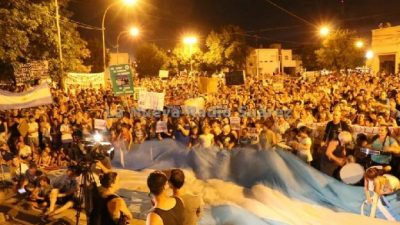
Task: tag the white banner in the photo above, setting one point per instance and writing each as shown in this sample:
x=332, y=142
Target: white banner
x=151, y=100
x=85, y=80
x=100, y=124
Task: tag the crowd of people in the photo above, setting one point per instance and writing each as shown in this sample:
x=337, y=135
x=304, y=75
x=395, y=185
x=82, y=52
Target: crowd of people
x=36, y=140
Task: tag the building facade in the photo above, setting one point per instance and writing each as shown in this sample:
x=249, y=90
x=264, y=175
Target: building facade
x=263, y=61
x=385, y=47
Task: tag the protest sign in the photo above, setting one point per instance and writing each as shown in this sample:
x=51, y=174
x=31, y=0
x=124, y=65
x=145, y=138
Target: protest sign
x=35, y=70
x=100, y=124
x=234, y=78
x=85, y=80
x=161, y=127
x=235, y=123
x=151, y=100
x=121, y=79
x=208, y=85
x=137, y=92
x=163, y=74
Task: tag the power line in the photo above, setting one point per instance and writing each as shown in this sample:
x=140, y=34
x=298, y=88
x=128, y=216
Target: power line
x=290, y=13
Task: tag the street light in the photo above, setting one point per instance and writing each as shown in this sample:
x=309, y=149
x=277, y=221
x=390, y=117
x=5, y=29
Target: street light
x=324, y=31
x=359, y=44
x=133, y=31
x=190, y=40
x=126, y=2
x=369, y=54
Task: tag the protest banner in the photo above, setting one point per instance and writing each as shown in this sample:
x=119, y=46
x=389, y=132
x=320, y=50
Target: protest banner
x=85, y=80
x=161, y=127
x=163, y=74
x=137, y=91
x=151, y=100
x=208, y=85
x=100, y=124
x=234, y=78
x=121, y=79
x=235, y=123
x=35, y=70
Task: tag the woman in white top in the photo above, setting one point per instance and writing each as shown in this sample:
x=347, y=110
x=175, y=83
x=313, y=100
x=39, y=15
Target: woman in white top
x=207, y=138
x=379, y=183
x=303, y=145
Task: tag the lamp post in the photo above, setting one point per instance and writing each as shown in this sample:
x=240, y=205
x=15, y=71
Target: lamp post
x=127, y=2
x=134, y=31
x=190, y=40
x=59, y=45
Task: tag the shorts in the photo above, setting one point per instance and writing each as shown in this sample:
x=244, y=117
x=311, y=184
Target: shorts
x=33, y=141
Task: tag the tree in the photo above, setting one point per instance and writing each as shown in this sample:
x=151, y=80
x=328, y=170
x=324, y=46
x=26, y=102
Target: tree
x=28, y=30
x=95, y=61
x=309, y=57
x=338, y=51
x=226, y=48
x=179, y=59
x=150, y=59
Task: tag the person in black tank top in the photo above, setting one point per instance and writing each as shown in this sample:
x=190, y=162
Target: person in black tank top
x=167, y=210
x=109, y=208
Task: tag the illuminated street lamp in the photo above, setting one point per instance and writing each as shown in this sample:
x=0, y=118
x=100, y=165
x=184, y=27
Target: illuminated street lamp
x=369, y=54
x=359, y=44
x=133, y=31
x=190, y=40
x=324, y=31
x=125, y=2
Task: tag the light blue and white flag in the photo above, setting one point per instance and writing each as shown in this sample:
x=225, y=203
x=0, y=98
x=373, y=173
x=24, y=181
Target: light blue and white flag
x=40, y=95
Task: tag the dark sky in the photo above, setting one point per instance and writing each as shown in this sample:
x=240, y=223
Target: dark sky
x=164, y=22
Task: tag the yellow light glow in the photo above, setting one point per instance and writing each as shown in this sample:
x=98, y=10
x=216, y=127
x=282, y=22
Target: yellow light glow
x=369, y=54
x=129, y=2
x=134, y=31
x=324, y=31
x=190, y=40
x=359, y=44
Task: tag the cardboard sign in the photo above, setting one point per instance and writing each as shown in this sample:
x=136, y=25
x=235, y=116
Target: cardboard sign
x=121, y=79
x=100, y=124
x=161, y=127
x=163, y=73
x=31, y=71
x=234, y=78
x=151, y=100
x=235, y=123
x=208, y=85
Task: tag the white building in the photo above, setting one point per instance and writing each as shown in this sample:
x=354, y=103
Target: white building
x=272, y=60
x=385, y=47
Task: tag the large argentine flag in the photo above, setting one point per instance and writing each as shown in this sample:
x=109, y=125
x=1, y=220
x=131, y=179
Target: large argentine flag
x=40, y=95
x=250, y=187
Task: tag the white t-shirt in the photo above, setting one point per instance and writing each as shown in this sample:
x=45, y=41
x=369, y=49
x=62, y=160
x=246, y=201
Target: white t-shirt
x=306, y=151
x=65, y=136
x=33, y=129
x=206, y=140
x=25, y=151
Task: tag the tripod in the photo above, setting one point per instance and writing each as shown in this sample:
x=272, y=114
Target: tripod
x=85, y=195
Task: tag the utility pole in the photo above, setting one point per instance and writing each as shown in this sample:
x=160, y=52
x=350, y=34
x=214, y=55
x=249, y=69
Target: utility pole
x=59, y=45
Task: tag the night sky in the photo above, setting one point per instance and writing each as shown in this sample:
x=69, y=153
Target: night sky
x=164, y=22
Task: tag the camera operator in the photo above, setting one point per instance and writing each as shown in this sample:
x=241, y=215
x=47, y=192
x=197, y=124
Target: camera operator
x=64, y=192
x=111, y=208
